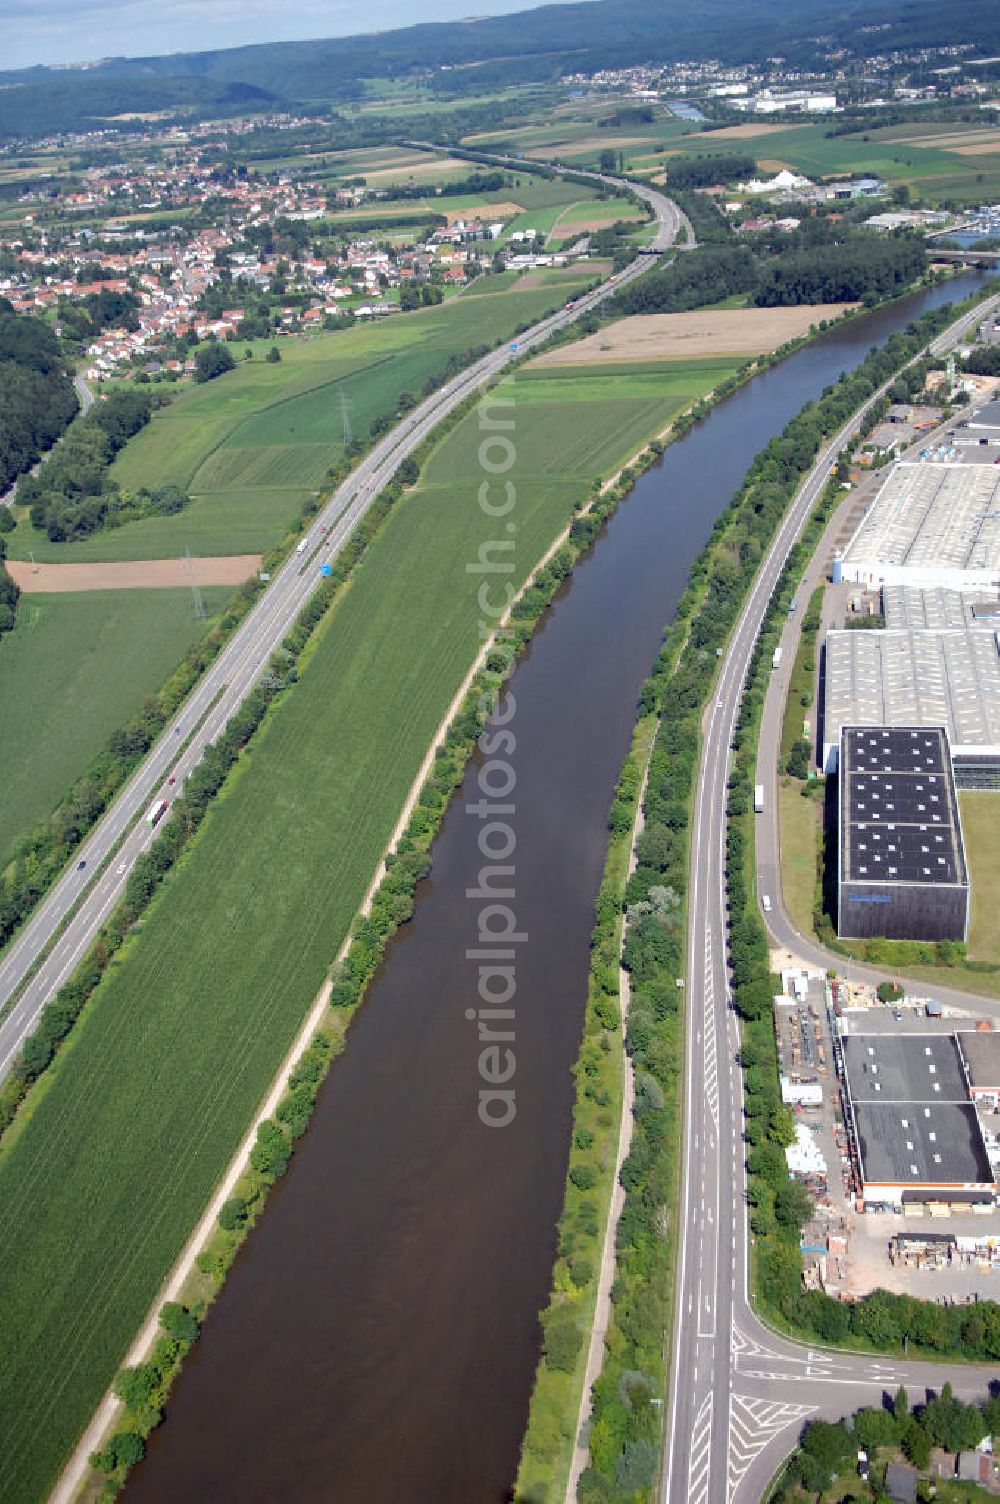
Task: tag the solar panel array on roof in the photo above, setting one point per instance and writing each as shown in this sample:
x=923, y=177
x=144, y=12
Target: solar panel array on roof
x=898, y=812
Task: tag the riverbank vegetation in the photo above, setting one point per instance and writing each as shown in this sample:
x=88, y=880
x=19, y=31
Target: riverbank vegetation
x=599, y=1074
x=257, y=952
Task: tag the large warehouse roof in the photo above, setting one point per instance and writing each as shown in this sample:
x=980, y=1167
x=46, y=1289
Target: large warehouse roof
x=914, y=678
x=918, y=1068
x=898, y=811
x=930, y=524
x=939, y=607
x=920, y=1146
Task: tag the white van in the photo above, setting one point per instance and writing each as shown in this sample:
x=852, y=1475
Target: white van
x=766, y=903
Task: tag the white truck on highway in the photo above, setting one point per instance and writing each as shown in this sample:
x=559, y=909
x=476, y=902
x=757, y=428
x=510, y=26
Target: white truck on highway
x=776, y=658
x=758, y=798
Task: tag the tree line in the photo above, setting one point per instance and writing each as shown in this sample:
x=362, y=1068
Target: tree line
x=859, y=267
x=37, y=399
x=73, y=494
x=703, y=172
x=828, y=1448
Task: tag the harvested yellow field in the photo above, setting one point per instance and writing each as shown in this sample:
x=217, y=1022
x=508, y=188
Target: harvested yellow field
x=970, y=142
x=485, y=212
x=979, y=149
x=419, y=169
x=674, y=336
x=746, y=132
x=137, y=574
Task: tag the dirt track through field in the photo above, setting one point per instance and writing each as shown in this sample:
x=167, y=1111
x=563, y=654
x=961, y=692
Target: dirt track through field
x=673, y=336
x=137, y=574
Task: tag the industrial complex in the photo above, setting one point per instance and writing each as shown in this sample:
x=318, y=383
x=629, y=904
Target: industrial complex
x=925, y=557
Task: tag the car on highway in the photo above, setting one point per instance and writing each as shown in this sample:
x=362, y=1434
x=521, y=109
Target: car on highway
x=897, y=1014
x=80, y=866
x=121, y=868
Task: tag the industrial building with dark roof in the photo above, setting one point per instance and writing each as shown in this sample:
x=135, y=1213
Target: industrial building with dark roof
x=917, y=1135
x=901, y=860
x=980, y=1055
x=904, y=1068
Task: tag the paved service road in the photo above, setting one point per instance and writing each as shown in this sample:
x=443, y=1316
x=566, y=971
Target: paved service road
x=739, y=1393
x=77, y=906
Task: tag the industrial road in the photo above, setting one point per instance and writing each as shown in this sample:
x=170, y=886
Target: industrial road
x=53, y=941
x=740, y=1393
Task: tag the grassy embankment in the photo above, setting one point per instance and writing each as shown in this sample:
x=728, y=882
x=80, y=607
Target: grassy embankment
x=74, y=668
x=181, y=1039
x=254, y=445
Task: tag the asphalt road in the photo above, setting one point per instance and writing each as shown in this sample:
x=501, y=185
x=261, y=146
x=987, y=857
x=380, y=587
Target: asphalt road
x=81, y=901
x=739, y=1393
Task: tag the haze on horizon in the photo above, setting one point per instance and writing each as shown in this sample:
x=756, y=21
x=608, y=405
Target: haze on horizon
x=78, y=31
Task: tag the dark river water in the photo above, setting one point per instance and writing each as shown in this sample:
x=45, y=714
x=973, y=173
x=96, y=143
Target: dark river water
x=377, y=1338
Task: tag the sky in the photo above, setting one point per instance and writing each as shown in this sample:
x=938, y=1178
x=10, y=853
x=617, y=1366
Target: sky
x=73, y=31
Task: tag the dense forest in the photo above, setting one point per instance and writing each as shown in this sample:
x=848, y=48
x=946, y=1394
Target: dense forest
x=37, y=399
x=9, y=594
x=72, y=495
x=858, y=268
x=864, y=270
x=702, y=172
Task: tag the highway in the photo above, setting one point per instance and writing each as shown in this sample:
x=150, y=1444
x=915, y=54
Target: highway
x=738, y=1392
x=59, y=932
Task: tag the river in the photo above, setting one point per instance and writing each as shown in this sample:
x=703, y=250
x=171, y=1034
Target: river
x=377, y=1337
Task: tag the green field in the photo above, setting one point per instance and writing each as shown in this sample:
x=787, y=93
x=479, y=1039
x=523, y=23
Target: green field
x=185, y=1034
x=253, y=445
x=73, y=670
x=916, y=154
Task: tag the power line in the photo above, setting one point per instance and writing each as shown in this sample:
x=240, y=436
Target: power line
x=200, y=609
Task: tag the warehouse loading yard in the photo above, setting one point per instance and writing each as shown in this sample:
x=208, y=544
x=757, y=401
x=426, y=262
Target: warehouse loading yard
x=897, y=1139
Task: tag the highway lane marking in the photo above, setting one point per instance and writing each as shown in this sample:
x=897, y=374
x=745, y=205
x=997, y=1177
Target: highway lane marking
x=753, y=1424
x=699, y=1463
x=711, y=1057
